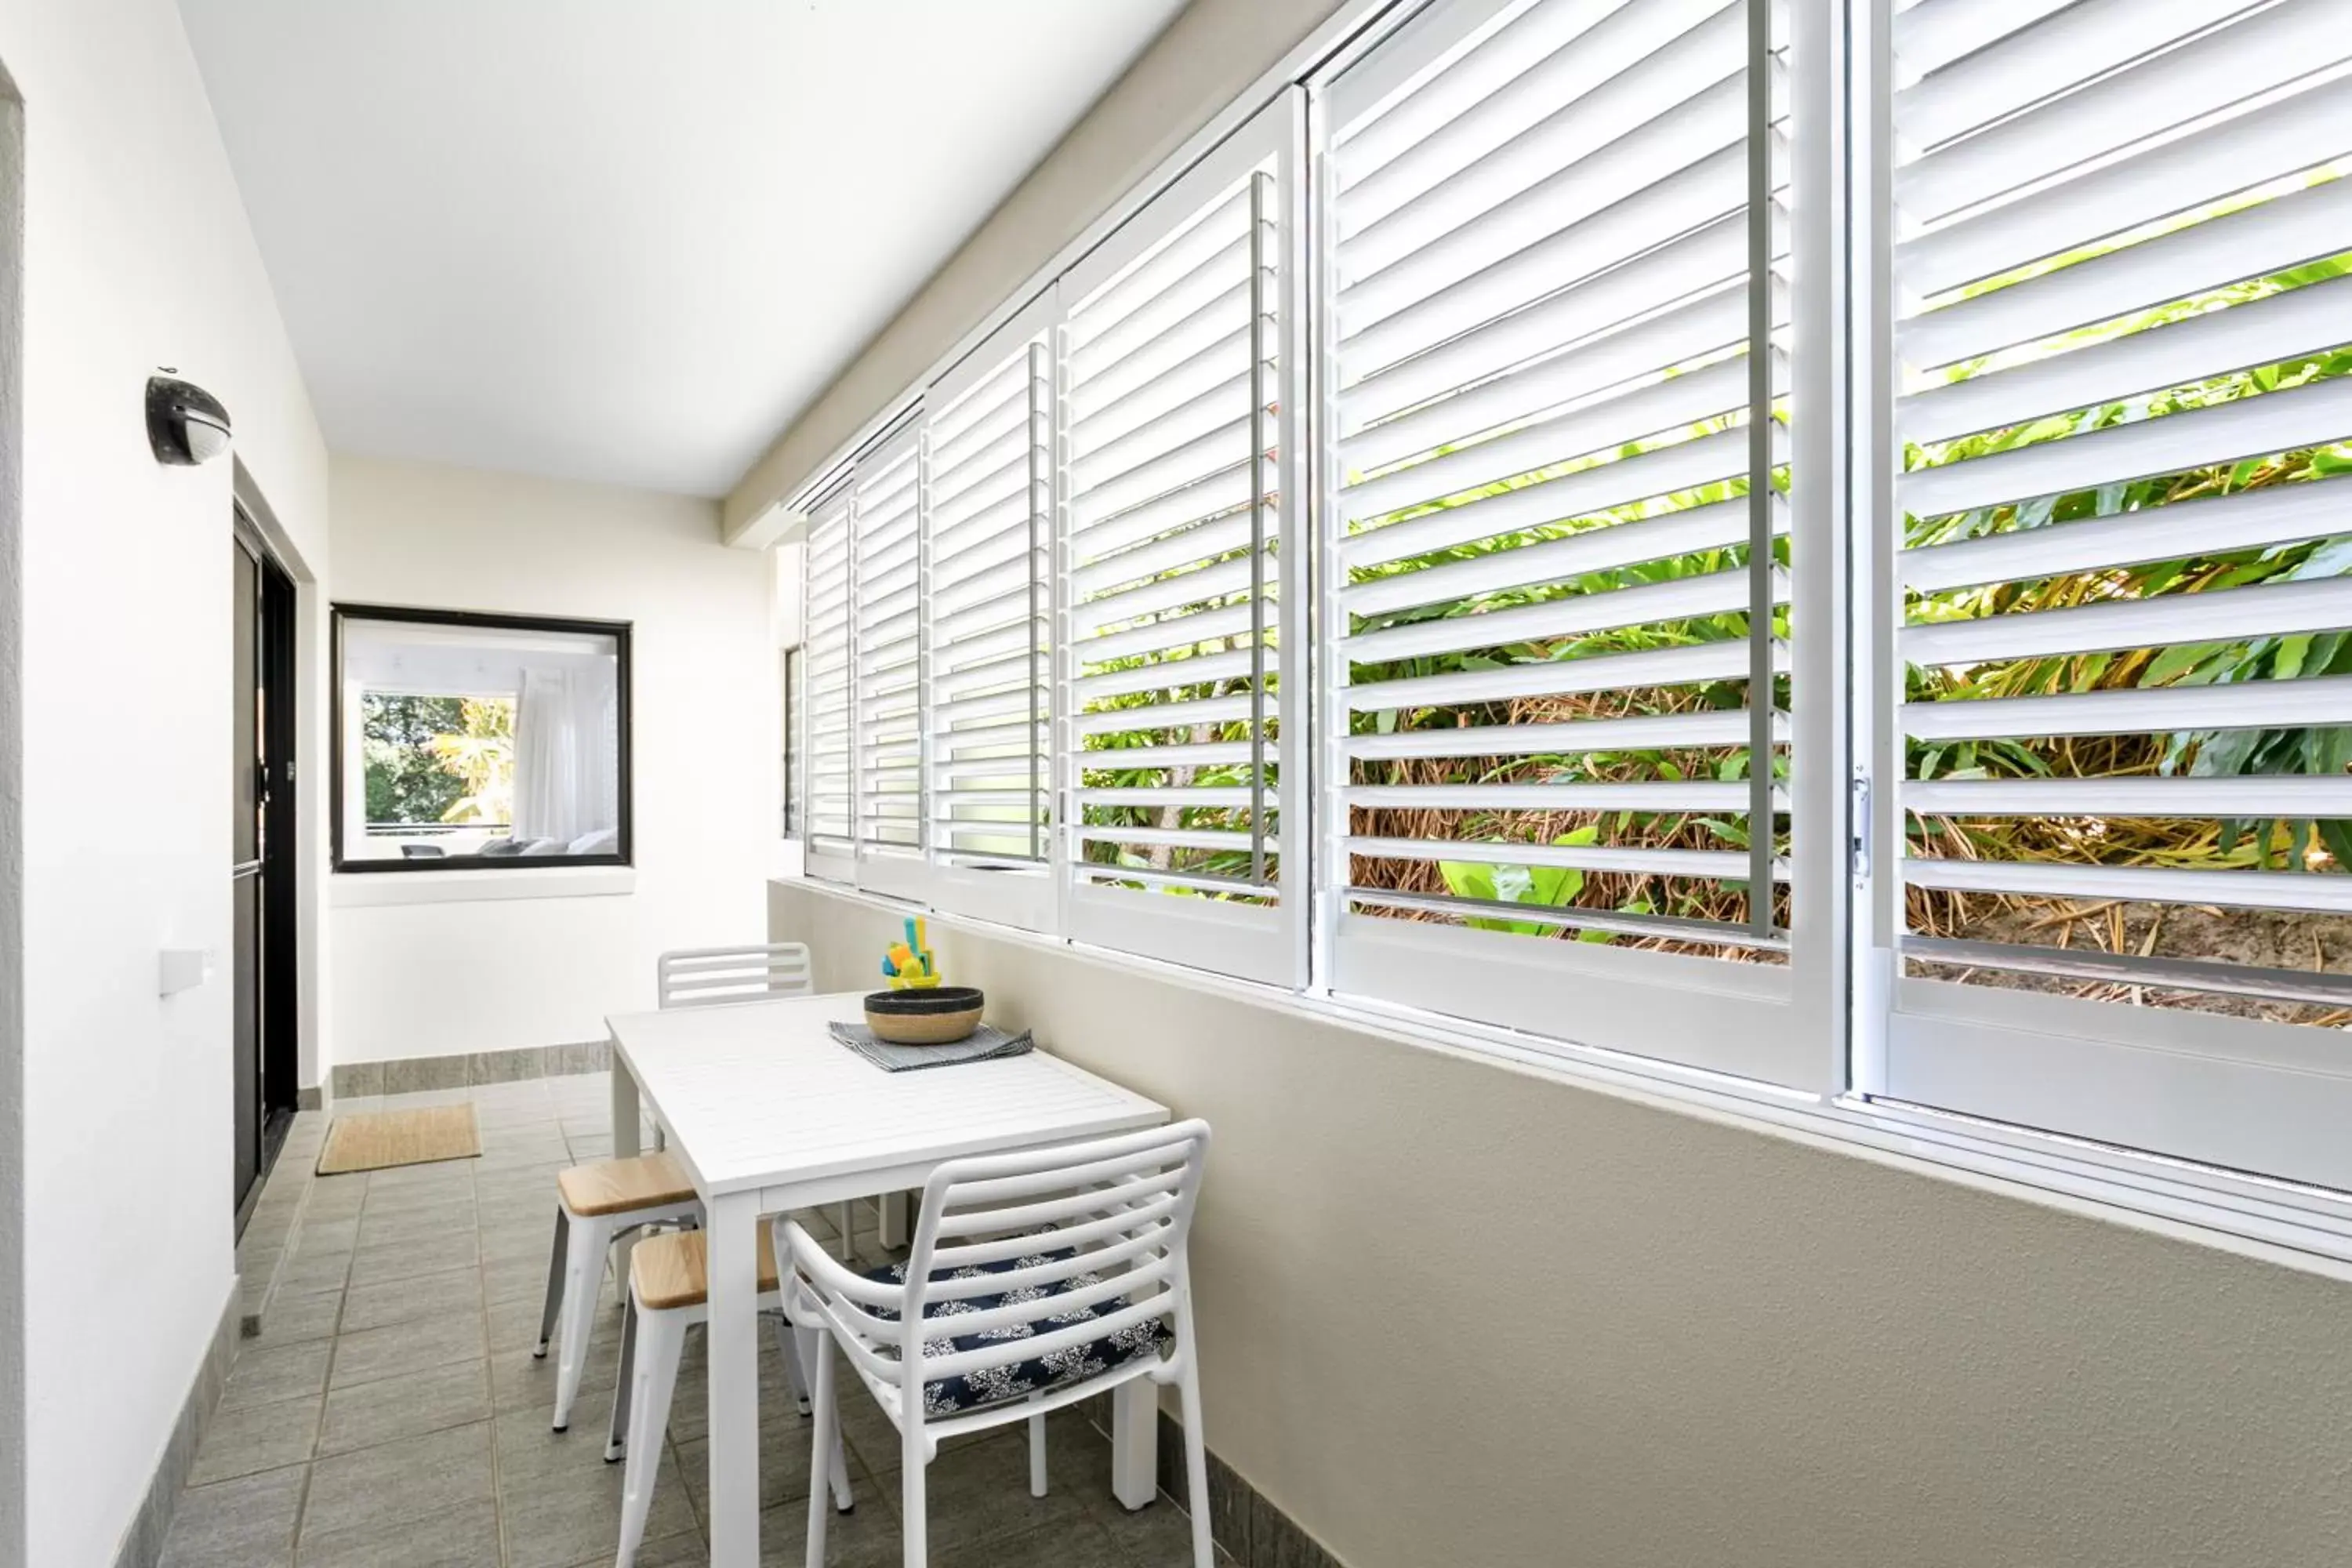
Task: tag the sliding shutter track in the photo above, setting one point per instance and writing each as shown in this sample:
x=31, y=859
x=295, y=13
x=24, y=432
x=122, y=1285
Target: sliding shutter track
x=1173, y=524
x=1558, y=540
x=2123, y=334
x=889, y=653
x=830, y=781
x=987, y=523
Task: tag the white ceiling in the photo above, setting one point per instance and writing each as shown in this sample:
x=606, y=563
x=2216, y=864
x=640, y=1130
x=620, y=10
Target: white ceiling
x=624, y=240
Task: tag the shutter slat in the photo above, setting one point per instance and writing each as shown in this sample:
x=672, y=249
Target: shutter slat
x=1210, y=498
x=1587, y=492
x=1201, y=371
x=1935, y=33
x=1711, y=527
x=2308, y=416
x=1164, y=715
x=2271, y=609
x=1161, y=637
x=1713, y=321
x=1532, y=120
x=1226, y=578
x=1714, y=865
x=2251, y=796
x=2285, y=231
x=2315, y=892
x=1202, y=543
x=1650, y=74
x=2010, y=74
x=1693, y=665
x=1681, y=795
x=2172, y=176
x=2268, y=50
x=1679, y=400
x=2262, y=332
x=1690, y=200
x=1172, y=837
x=2240, y=705
x=1165, y=675
x=2283, y=514
x=1648, y=732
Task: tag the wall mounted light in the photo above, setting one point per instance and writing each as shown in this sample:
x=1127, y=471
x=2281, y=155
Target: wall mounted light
x=186, y=424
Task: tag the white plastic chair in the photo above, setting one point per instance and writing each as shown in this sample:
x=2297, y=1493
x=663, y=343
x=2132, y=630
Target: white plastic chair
x=1021, y=1320
x=669, y=1292
x=712, y=977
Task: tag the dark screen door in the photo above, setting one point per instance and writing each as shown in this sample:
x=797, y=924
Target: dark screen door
x=245, y=864
x=261, y=871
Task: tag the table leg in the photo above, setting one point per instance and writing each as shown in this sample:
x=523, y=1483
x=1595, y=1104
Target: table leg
x=625, y=1110
x=1134, y=1442
x=733, y=1334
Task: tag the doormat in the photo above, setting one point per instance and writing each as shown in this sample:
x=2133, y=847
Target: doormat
x=376, y=1140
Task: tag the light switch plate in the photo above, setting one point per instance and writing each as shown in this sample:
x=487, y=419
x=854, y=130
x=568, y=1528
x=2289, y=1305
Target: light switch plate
x=185, y=969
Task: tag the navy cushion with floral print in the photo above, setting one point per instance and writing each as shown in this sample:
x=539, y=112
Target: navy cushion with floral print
x=1017, y=1379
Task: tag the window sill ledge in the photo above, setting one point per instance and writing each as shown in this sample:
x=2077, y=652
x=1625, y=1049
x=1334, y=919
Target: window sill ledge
x=360, y=890
x=2299, y=1228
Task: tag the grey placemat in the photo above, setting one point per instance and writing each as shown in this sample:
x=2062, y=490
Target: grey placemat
x=985, y=1043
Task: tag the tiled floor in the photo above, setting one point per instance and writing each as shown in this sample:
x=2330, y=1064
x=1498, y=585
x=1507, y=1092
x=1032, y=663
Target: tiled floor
x=392, y=1415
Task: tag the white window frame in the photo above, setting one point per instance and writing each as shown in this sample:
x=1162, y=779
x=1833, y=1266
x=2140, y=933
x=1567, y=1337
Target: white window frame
x=898, y=872
x=2229, y=1092
x=1773, y=1023
x=1020, y=896
x=1267, y=945
x=823, y=856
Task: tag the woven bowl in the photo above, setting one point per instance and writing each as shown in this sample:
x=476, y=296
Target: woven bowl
x=936, y=1017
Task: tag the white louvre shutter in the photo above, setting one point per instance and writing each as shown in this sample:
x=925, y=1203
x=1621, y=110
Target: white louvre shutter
x=1175, y=510
x=889, y=598
x=987, y=537
x=829, y=779
x=1553, y=569
x=2121, y=342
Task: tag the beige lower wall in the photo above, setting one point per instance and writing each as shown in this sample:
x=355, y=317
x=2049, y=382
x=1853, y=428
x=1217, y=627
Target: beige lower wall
x=1455, y=1313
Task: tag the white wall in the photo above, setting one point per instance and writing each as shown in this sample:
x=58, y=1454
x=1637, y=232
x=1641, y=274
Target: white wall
x=1456, y=1312
x=445, y=978
x=137, y=255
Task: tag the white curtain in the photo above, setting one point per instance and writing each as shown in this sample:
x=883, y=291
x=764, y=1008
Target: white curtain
x=567, y=757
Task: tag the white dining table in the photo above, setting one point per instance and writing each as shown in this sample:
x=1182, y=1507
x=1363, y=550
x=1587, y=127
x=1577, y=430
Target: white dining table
x=767, y=1112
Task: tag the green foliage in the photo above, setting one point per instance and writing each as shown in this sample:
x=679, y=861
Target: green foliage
x=405, y=782
x=437, y=759
x=1554, y=887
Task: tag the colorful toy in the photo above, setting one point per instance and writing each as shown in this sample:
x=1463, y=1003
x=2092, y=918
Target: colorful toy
x=910, y=965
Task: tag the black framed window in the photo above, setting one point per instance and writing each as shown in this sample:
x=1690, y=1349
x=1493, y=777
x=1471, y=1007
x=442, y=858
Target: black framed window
x=472, y=742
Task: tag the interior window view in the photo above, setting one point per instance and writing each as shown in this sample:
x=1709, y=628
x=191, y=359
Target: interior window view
x=1176, y=784
x=479, y=740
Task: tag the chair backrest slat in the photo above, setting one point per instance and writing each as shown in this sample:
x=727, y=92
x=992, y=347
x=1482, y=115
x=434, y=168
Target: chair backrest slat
x=1117, y=1225
x=980, y=1198
x=708, y=977
x=1135, y=1194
